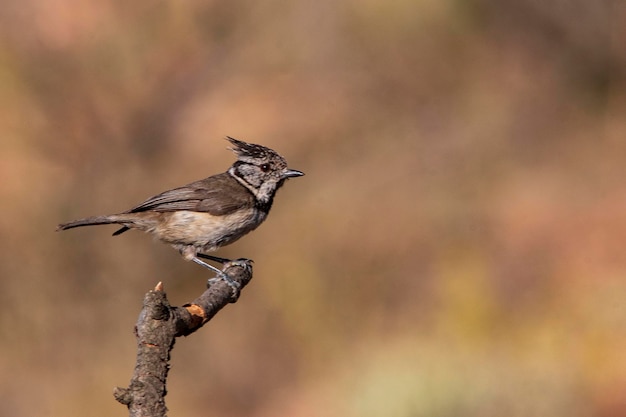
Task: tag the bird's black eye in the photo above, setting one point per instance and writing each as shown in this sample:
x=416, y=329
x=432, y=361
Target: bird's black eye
x=265, y=167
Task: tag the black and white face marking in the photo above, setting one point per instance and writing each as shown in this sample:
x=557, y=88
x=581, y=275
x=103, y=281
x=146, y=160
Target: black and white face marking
x=261, y=170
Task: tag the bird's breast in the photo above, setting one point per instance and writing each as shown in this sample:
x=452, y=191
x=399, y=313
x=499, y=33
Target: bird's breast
x=208, y=231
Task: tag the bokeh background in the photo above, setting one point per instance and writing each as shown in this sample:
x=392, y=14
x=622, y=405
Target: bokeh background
x=456, y=248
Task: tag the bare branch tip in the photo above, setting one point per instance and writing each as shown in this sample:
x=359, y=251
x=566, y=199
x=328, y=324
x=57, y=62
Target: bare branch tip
x=122, y=395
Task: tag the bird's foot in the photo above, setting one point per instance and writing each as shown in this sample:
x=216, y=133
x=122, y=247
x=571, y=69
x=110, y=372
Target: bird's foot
x=221, y=275
x=234, y=285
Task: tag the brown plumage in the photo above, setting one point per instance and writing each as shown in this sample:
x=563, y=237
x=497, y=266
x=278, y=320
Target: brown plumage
x=210, y=213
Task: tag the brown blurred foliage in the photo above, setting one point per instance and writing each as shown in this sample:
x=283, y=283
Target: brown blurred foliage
x=456, y=247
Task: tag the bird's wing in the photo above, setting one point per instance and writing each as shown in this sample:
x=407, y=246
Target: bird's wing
x=217, y=195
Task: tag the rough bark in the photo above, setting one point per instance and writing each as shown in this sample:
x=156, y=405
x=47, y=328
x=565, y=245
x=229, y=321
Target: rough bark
x=157, y=328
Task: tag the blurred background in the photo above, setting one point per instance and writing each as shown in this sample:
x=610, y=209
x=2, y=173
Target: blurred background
x=456, y=247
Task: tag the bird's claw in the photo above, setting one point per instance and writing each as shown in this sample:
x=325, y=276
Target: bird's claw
x=234, y=285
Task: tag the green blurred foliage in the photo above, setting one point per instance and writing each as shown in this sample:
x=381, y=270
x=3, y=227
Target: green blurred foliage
x=455, y=248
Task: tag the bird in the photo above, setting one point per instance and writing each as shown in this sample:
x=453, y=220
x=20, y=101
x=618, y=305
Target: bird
x=210, y=213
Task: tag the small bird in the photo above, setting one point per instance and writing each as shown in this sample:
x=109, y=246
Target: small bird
x=205, y=215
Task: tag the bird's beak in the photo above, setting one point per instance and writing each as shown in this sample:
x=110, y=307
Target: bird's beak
x=288, y=173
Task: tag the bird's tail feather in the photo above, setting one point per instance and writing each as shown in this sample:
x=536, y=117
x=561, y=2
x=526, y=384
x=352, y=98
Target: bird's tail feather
x=93, y=221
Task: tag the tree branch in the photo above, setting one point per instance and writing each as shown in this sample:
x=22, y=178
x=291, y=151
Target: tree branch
x=157, y=328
